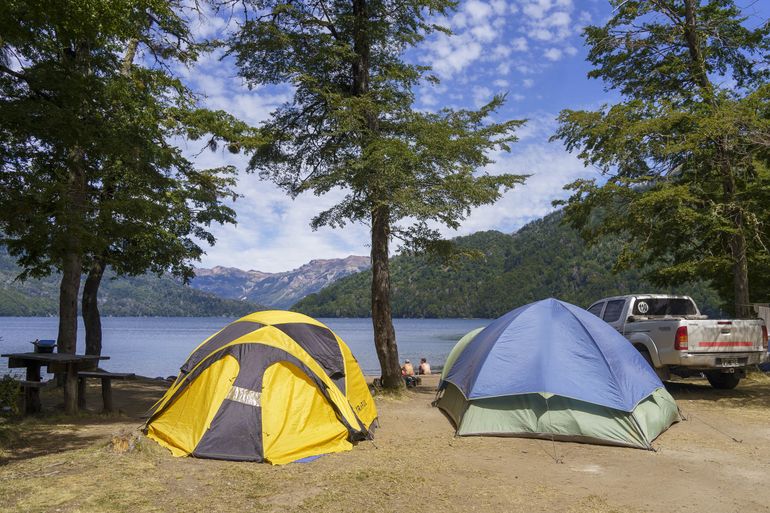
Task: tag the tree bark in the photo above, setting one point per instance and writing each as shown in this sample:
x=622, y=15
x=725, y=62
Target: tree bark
x=90, y=308
x=382, y=318
x=743, y=307
x=71, y=221
x=68, y=303
x=737, y=239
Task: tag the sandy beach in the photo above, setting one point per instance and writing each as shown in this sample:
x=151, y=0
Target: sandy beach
x=716, y=461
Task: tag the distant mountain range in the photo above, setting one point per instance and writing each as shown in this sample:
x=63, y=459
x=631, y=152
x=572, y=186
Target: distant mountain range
x=217, y=292
x=278, y=290
x=146, y=295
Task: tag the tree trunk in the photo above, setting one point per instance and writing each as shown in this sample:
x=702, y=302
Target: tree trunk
x=68, y=323
x=90, y=308
x=743, y=309
x=737, y=239
x=71, y=221
x=382, y=318
x=68, y=303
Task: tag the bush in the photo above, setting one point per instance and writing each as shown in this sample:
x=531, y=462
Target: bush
x=9, y=394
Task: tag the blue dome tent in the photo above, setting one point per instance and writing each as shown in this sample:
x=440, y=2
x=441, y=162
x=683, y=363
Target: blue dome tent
x=550, y=369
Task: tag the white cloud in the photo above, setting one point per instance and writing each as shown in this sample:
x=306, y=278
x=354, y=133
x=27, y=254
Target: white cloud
x=542, y=34
x=482, y=96
x=478, y=11
x=558, y=19
x=478, y=27
x=459, y=20
x=520, y=44
x=536, y=9
x=453, y=54
x=485, y=33
x=553, y=54
x=527, y=82
x=501, y=51
x=499, y=6
x=550, y=167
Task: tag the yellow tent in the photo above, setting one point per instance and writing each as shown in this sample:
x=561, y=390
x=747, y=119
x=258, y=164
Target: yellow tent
x=273, y=386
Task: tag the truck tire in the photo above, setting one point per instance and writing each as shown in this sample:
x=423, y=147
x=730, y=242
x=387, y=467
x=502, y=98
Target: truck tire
x=723, y=380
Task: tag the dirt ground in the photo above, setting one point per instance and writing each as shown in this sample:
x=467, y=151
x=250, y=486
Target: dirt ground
x=717, y=461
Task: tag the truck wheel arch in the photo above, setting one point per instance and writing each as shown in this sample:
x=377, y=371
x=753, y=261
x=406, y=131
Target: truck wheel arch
x=645, y=344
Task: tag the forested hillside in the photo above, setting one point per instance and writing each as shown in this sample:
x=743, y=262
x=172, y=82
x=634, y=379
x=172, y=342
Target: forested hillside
x=543, y=259
x=138, y=296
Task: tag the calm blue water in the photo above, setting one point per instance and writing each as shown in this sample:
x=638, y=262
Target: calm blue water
x=157, y=346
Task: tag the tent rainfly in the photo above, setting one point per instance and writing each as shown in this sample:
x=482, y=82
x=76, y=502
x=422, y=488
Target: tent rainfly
x=550, y=369
x=273, y=386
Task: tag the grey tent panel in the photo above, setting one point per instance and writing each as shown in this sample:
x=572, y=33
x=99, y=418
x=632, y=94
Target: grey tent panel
x=321, y=344
x=229, y=333
x=234, y=434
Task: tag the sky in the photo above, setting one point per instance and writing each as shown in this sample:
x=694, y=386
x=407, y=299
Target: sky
x=532, y=50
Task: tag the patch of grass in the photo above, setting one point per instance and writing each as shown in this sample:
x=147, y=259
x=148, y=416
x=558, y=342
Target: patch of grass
x=757, y=376
x=10, y=436
x=397, y=394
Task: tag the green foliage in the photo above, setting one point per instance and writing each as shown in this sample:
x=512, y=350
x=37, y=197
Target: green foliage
x=544, y=259
x=9, y=394
x=87, y=164
x=351, y=127
x=351, y=124
x=686, y=152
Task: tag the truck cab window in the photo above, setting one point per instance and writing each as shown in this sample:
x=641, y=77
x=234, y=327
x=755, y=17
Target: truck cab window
x=597, y=308
x=613, y=310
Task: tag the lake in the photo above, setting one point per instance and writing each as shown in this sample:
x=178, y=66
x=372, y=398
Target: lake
x=158, y=346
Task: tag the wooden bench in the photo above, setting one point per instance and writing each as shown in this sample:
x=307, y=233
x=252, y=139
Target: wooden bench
x=106, y=378
x=30, y=402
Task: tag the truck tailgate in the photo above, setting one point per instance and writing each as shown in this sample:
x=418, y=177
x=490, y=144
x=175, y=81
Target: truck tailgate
x=715, y=336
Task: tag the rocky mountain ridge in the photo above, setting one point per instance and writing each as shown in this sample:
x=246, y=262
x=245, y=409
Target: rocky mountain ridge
x=277, y=290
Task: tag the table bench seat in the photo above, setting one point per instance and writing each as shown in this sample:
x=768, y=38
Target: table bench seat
x=29, y=401
x=31, y=384
x=106, y=378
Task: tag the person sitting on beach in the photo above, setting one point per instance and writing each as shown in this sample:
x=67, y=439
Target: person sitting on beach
x=407, y=369
x=424, y=367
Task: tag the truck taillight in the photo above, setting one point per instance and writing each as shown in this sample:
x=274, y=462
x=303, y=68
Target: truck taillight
x=764, y=337
x=680, y=339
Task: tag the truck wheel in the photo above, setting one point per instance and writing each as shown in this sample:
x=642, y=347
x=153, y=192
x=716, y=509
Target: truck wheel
x=723, y=380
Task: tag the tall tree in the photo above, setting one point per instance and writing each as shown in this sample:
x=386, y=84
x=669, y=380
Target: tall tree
x=351, y=126
x=685, y=153
x=87, y=144
x=151, y=212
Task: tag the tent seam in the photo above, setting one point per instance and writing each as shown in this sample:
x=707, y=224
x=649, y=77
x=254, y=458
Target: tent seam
x=607, y=363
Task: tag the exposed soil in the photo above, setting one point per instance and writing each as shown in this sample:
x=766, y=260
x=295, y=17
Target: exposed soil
x=717, y=461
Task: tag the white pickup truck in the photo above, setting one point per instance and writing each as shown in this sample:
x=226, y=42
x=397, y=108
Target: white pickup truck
x=675, y=338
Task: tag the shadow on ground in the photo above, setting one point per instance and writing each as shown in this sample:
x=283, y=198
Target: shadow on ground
x=53, y=432
x=757, y=395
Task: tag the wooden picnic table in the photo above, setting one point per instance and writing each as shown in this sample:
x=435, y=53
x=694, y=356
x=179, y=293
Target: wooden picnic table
x=61, y=363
